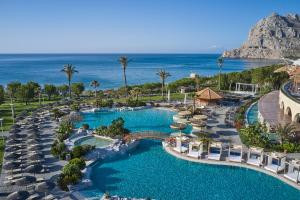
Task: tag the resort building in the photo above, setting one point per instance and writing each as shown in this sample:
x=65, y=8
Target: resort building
x=282, y=106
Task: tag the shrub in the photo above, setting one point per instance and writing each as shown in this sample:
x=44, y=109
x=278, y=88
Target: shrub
x=135, y=103
x=78, y=162
x=79, y=151
x=116, y=129
x=58, y=149
x=71, y=174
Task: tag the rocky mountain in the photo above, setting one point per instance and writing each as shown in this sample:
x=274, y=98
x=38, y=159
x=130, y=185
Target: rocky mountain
x=273, y=37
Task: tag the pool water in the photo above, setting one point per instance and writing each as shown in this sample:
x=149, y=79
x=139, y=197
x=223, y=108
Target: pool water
x=252, y=115
x=94, y=141
x=150, y=172
x=139, y=120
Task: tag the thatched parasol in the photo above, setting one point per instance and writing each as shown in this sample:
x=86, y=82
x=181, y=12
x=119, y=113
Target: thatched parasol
x=200, y=117
x=178, y=126
x=18, y=195
x=34, y=168
x=45, y=187
x=36, y=156
x=11, y=165
x=26, y=180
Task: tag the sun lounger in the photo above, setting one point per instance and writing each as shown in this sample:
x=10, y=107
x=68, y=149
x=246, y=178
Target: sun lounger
x=34, y=196
x=50, y=197
x=181, y=150
x=293, y=176
x=214, y=156
x=193, y=154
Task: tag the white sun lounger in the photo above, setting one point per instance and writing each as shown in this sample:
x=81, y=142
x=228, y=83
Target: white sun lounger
x=214, y=156
x=183, y=149
x=193, y=154
x=293, y=176
x=274, y=168
x=253, y=161
x=235, y=158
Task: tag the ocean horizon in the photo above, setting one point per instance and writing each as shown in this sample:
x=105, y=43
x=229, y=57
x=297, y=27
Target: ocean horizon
x=44, y=68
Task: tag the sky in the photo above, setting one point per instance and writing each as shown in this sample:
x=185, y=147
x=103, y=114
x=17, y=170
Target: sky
x=131, y=26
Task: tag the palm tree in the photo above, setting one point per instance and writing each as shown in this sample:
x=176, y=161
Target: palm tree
x=163, y=76
x=124, y=62
x=220, y=63
x=285, y=131
x=136, y=92
x=95, y=84
x=69, y=70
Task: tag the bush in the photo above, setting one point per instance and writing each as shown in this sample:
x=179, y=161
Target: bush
x=58, y=149
x=71, y=174
x=254, y=135
x=78, y=162
x=79, y=151
x=116, y=129
x=135, y=103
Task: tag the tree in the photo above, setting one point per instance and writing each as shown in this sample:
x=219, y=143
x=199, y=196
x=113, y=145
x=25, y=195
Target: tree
x=79, y=162
x=124, y=63
x=220, y=63
x=254, y=135
x=50, y=90
x=69, y=70
x=27, y=91
x=63, y=90
x=136, y=92
x=12, y=89
x=163, y=76
x=1, y=94
x=77, y=88
x=285, y=132
x=95, y=84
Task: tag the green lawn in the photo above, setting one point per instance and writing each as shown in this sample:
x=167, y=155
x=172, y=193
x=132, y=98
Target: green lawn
x=5, y=111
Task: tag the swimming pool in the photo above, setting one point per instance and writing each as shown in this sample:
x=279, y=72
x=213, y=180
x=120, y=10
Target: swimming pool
x=252, y=115
x=95, y=141
x=139, y=120
x=150, y=172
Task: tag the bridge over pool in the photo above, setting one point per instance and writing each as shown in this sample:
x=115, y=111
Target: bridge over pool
x=156, y=135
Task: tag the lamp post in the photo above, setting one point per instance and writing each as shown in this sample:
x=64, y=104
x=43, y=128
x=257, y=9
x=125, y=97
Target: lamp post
x=1, y=123
x=220, y=63
x=12, y=112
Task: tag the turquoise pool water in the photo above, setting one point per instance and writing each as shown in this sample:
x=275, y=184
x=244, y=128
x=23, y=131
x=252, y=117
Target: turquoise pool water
x=252, y=115
x=139, y=120
x=91, y=140
x=150, y=172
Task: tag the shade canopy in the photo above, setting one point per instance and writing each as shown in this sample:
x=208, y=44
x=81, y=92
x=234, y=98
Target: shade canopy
x=200, y=117
x=178, y=126
x=208, y=94
x=34, y=168
x=10, y=165
x=44, y=186
x=184, y=113
x=26, y=180
x=19, y=195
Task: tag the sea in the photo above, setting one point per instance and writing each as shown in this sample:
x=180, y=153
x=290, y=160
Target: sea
x=105, y=68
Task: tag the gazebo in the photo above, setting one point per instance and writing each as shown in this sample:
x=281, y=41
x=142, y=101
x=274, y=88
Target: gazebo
x=207, y=97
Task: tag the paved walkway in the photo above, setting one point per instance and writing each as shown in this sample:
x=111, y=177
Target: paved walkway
x=220, y=131
x=268, y=107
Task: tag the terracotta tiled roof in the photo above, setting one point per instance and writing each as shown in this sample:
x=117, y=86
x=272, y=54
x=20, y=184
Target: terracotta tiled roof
x=208, y=94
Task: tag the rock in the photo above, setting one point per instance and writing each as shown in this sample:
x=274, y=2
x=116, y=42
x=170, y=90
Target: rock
x=273, y=37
